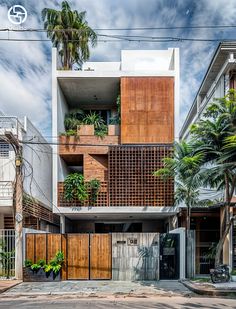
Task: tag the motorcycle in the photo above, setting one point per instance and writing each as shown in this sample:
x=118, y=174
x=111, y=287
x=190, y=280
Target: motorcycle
x=220, y=274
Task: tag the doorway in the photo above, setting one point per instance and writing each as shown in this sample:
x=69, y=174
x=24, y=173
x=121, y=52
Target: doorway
x=169, y=256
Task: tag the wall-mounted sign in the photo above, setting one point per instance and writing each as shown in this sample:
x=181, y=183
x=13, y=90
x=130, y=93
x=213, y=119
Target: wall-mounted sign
x=132, y=241
x=17, y=14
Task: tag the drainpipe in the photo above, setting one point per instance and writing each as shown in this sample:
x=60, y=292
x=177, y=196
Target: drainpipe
x=62, y=224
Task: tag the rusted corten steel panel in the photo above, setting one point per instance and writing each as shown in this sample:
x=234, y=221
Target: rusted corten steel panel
x=131, y=180
x=147, y=110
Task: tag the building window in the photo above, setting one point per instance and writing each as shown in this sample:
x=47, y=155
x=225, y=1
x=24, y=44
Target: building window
x=4, y=149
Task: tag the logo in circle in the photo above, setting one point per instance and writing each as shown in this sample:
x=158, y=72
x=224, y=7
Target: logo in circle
x=17, y=14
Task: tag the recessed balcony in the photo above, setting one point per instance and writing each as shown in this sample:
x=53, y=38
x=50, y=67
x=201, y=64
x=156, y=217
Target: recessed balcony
x=86, y=137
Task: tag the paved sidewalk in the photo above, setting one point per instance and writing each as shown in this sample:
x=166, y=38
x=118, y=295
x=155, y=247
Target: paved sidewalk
x=7, y=284
x=99, y=288
x=207, y=288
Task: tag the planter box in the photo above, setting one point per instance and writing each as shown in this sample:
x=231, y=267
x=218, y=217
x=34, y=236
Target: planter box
x=233, y=278
x=85, y=129
x=113, y=129
x=31, y=276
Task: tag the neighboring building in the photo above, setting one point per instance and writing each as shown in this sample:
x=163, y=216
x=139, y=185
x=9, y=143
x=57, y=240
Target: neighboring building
x=37, y=177
x=131, y=199
x=219, y=78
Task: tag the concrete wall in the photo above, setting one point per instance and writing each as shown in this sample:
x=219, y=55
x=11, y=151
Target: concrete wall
x=135, y=261
x=38, y=165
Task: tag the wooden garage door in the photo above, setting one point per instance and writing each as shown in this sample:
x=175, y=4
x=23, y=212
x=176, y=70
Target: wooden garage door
x=100, y=256
x=78, y=256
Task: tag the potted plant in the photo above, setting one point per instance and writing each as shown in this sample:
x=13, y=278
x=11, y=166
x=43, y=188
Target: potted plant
x=40, y=271
x=233, y=275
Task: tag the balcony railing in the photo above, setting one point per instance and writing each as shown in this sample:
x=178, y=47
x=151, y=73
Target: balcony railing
x=6, y=190
x=86, y=136
x=11, y=124
x=102, y=199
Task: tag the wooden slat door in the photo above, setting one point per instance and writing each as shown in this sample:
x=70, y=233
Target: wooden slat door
x=100, y=256
x=78, y=256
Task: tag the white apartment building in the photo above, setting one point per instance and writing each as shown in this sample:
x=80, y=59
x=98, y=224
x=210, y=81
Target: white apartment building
x=37, y=176
x=219, y=78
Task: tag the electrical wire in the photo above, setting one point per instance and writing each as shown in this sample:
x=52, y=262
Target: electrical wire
x=125, y=29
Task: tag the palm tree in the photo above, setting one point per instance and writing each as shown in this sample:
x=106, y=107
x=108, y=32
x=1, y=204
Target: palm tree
x=70, y=33
x=184, y=167
x=216, y=136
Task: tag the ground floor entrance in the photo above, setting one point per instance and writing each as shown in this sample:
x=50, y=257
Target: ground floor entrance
x=117, y=256
x=169, y=256
x=89, y=256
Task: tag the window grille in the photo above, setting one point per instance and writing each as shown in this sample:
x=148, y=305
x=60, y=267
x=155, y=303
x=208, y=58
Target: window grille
x=4, y=150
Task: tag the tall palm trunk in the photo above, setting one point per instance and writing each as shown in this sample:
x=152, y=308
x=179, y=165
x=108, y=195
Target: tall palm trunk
x=229, y=221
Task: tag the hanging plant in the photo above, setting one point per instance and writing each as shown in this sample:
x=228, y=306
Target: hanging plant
x=73, y=119
x=94, y=187
x=74, y=187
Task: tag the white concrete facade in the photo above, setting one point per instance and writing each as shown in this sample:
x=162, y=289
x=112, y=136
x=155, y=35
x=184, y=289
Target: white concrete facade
x=214, y=85
x=37, y=161
x=104, y=78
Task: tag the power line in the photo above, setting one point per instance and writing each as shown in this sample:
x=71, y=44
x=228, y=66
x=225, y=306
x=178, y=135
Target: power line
x=129, y=39
x=123, y=29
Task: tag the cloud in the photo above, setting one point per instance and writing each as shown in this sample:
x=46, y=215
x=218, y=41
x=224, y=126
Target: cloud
x=25, y=67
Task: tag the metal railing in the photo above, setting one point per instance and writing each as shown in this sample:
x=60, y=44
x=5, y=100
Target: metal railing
x=6, y=189
x=7, y=253
x=11, y=124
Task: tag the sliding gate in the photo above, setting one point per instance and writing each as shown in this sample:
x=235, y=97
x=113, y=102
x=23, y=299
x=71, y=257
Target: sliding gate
x=87, y=256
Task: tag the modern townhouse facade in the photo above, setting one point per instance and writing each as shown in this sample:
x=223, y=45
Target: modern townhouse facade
x=130, y=199
x=219, y=78
x=37, y=176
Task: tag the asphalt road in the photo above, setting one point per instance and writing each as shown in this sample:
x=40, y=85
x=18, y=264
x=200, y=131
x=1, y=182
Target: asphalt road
x=134, y=303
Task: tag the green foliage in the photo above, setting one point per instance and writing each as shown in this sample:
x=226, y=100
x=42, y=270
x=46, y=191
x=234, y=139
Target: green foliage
x=215, y=137
x=41, y=263
x=185, y=167
x=233, y=272
x=116, y=118
x=211, y=252
x=73, y=119
x=35, y=267
x=54, y=265
x=93, y=118
x=93, y=187
x=69, y=133
x=6, y=258
x=70, y=33
x=47, y=268
x=28, y=263
x=102, y=131
x=74, y=187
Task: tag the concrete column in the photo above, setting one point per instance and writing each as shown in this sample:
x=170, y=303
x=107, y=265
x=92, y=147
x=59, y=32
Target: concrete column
x=62, y=224
x=1, y=221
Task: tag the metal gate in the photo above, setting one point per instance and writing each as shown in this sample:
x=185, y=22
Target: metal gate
x=169, y=256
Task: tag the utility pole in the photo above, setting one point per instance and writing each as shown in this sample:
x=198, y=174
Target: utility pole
x=18, y=205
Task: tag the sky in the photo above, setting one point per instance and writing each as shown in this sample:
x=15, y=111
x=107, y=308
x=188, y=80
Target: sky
x=25, y=67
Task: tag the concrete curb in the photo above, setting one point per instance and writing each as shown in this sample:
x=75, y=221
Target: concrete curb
x=88, y=295
x=2, y=290
x=208, y=291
